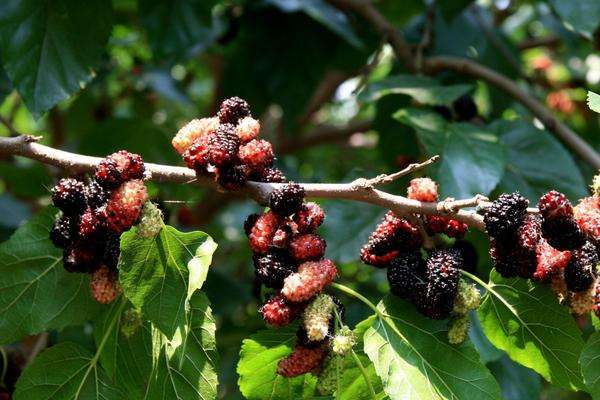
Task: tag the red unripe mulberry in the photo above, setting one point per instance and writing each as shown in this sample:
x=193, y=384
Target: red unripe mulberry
x=125, y=205
x=549, y=261
x=104, y=285
x=261, y=234
x=311, y=278
x=301, y=361
x=277, y=311
x=307, y=247
x=257, y=154
x=309, y=217
x=247, y=129
x=423, y=189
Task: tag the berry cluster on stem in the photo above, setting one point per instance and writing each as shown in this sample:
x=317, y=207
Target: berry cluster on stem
x=93, y=214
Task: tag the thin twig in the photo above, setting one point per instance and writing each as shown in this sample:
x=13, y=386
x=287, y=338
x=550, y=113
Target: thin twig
x=259, y=191
x=451, y=205
x=426, y=38
x=387, y=178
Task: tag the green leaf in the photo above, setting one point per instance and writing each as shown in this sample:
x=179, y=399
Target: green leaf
x=595, y=322
x=414, y=360
x=472, y=157
x=36, y=293
x=537, y=161
x=580, y=16
x=179, y=28
x=257, y=367
x=423, y=89
x=49, y=48
x=524, y=319
x=516, y=381
x=65, y=371
x=155, y=273
x=324, y=13
x=590, y=365
x=144, y=363
x=593, y=101
x=185, y=367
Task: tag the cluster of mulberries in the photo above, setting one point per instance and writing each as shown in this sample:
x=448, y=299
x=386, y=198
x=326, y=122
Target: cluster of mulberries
x=93, y=214
x=432, y=283
x=288, y=258
x=559, y=246
x=227, y=147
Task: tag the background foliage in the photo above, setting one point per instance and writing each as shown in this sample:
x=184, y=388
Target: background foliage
x=101, y=75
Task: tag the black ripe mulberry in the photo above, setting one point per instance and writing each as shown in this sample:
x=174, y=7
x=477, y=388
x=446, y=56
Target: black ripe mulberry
x=286, y=200
x=223, y=145
x=393, y=233
x=232, y=110
x=505, y=216
x=81, y=258
x=272, y=175
x=406, y=275
x=232, y=177
x=108, y=174
x=68, y=195
x=443, y=273
x=562, y=233
x=272, y=268
x=112, y=250
x=95, y=195
x=64, y=231
x=580, y=272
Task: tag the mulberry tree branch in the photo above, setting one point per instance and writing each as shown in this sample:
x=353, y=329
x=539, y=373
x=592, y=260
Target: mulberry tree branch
x=433, y=65
x=27, y=146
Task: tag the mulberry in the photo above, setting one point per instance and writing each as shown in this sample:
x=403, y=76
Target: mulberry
x=328, y=377
x=104, y=285
x=382, y=261
x=112, y=251
x=562, y=233
x=286, y=200
x=587, y=215
x=311, y=278
x=151, y=221
x=257, y=154
x=232, y=110
x=64, y=231
x=309, y=217
x=261, y=234
x=95, y=195
x=250, y=222
x=107, y=174
x=555, y=204
x=192, y=131
x=277, y=311
x=283, y=236
x=93, y=224
x=301, y=361
x=580, y=272
x=393, y=233
x=272, y=268
x=316, y=317
x=407, y=275
x=68, y=195
x=303, y=340
x=468, y=298
x=80, y=258
x=549, y=260
x=272, y=175
x=458, y=329
x=129, y=165
x=222, y=145
x=443, y=273
x=232, y=177
x=307, y=247
x=125, y=205
x=582, y=303
x=247, y=129
x=196, y=155
x=423, y=189
x=513, y=260
x=451, y=227
x=343, y=341
x=505, y=215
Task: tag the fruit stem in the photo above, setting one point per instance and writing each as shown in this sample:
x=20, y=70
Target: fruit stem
x=359, y=296
x=364, y=373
